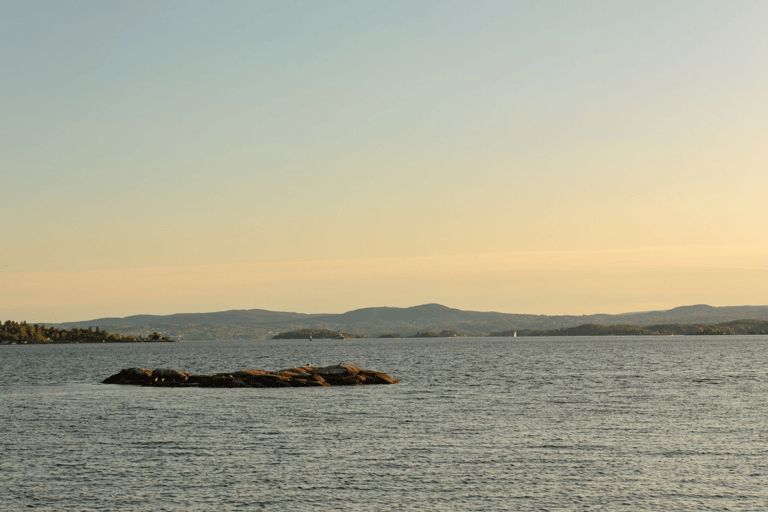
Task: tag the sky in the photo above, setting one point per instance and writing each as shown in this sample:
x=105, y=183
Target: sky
x=557, y=157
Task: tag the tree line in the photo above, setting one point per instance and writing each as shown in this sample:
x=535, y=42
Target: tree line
x=733, y=327
x=23, y=333
x=320, y=334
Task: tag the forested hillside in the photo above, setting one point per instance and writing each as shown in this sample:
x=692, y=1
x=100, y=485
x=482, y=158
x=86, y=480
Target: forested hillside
x=734, y=327
x=23, y=333
x=426, y=318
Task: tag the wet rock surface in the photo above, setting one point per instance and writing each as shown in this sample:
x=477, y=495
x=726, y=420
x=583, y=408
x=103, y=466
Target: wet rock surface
x=302, y=376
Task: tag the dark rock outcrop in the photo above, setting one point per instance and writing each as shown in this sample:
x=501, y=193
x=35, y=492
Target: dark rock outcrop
x=338, y=375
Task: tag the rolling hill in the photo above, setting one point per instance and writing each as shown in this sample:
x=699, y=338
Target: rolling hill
x=372, y=322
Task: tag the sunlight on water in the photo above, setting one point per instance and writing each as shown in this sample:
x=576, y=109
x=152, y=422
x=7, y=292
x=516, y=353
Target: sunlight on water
x=476, y=424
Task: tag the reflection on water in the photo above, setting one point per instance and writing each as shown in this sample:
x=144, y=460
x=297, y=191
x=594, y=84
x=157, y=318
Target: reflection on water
x=476, y=424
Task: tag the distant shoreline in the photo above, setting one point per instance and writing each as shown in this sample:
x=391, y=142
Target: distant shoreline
x=740, y=327
x=432, y=320
x=22, y=333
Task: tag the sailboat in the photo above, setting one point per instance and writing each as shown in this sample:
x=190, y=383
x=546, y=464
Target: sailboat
x=515, y=335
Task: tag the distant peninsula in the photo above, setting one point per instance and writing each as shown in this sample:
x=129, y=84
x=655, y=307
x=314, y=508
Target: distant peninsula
x=22, y=333
x=724, y=328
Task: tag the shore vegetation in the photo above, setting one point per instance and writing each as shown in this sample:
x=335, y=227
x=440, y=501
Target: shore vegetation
x=734, y=327
x=22, y=333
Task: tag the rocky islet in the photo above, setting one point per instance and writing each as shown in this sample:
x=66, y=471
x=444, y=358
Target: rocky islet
x=303, y=376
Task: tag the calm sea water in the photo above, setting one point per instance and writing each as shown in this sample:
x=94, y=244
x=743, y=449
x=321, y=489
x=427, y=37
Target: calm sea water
x=476, y=424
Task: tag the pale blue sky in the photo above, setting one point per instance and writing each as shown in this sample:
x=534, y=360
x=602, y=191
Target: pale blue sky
x=211, y=135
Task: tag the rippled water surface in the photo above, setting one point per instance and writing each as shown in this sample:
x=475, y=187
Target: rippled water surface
x=476, y=424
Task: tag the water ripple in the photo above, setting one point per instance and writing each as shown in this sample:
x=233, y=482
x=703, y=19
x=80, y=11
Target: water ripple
x=477, y=424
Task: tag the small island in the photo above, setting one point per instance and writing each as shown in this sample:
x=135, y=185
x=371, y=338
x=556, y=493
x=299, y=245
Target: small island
x=315, y=334
x=445, y=333
x=303, y=376
x=22, y=333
